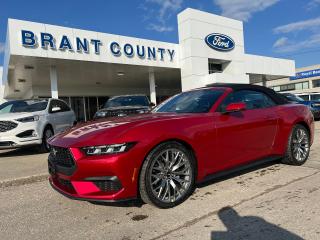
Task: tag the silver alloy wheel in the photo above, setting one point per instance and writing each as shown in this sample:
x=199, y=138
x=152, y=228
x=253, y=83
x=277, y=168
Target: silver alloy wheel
x=300, y=145
x=170, y=175
x=47, y=134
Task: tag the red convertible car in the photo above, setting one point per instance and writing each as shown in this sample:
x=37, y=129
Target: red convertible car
x=161, y=156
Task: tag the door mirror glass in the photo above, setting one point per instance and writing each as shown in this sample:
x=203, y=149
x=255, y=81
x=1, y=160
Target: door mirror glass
x=55, y=109
x=236, y=107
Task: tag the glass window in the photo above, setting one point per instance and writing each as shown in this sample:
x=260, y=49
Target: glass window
x=316, y=83
x=127, y=101
x=62, y=105
x=304, y=97
x=197, y=101
x=299, y=86
x=252, y=99
x=305, y=85
x=23, y=106
x=277, y=88
x=315, y=97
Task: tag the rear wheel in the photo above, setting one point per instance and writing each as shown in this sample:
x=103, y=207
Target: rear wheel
x=45, y=147
x=298, y=146
x=168, y=175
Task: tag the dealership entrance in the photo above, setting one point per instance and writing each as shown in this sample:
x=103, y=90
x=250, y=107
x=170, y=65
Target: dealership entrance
x=86, y=86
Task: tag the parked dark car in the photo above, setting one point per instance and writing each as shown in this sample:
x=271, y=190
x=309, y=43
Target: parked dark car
x=120, y=106
x=314, y=106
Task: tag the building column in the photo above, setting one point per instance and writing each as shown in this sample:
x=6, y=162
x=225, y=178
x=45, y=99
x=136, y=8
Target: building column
x=54, y=82
x=264, y=81
x=152, y=85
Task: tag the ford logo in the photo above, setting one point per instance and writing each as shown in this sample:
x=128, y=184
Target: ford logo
x=220, y=42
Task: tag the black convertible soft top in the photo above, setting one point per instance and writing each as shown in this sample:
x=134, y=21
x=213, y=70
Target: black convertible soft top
x=276, y=97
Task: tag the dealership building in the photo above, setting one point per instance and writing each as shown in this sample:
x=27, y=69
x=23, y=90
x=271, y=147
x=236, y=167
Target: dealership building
x=306, y=83
x=85, y=68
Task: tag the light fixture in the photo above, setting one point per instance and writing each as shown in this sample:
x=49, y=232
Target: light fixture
x=120, y=74
x=28, y=67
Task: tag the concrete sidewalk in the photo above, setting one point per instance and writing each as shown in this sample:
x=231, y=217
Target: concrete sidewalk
x=22, y=163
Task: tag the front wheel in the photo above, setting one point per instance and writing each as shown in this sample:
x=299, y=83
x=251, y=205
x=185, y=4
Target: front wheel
x=167, y=176
x=298, y=146
x=45, y=147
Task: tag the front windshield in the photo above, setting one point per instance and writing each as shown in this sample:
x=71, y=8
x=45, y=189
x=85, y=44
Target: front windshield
x=23, y=106
x=197, y=101
x=127, y=101
x=293, y=97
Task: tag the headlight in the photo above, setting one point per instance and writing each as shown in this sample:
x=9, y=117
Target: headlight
x=100, y=114
x=143, y=111
x=108, y=149
x=28, y=119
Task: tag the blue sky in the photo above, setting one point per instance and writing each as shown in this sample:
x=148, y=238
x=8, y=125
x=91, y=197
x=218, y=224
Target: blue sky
x=276, y=28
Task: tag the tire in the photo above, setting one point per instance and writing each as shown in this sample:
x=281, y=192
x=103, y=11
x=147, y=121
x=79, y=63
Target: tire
x=47, y=133
x=298, y=148
x=166, y=184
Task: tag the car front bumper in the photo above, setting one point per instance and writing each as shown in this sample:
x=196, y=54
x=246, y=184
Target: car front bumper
x=102, y=178
x=25, y=134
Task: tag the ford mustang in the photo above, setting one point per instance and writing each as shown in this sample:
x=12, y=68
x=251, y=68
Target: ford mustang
x=161, y=156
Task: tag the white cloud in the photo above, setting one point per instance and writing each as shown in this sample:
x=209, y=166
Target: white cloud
x=293, y=46
x=313, y=4
x=281, y=42
x=160, y=28
x=165, y=9
x=310, y=24
x=243, y=9
x=2, y=47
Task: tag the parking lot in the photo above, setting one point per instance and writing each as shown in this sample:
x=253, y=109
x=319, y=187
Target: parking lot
x=271, y=202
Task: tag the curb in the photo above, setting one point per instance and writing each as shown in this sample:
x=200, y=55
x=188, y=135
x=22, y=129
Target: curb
x=23, y=181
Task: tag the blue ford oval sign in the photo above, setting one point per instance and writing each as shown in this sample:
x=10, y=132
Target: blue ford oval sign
x=220, y=42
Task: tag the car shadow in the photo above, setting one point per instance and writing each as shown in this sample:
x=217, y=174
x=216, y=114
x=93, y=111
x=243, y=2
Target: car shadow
x=19, y=152
x=125, y=204
x=215, y=179
x=249, y=228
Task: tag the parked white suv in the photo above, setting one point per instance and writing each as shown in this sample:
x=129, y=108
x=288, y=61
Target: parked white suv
x=33, y=122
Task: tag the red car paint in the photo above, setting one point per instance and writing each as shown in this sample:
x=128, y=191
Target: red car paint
x=219, y=142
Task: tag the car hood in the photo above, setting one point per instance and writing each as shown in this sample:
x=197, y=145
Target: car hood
x=14, y=116
x=109, y=130
x=123, y=108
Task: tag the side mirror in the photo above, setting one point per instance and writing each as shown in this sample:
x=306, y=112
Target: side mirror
x=236, y=107
x=152, y=104
x=55, y=109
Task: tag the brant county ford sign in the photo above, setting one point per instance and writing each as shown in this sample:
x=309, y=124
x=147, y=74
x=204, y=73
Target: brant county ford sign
x=83, y=45
x=220, y=42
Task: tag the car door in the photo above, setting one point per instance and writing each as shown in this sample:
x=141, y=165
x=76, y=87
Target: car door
x=67, y=117
x=249, y=134
x=59, y=119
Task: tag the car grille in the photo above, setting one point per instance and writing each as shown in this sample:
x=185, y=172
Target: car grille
x=65, y=183
x=6, y=126
x=108, y=185
x=123, y=111
x=61, y=157
x=7, y=144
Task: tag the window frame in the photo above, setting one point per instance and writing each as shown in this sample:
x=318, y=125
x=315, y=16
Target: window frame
x=220, y=107
x=64, y=106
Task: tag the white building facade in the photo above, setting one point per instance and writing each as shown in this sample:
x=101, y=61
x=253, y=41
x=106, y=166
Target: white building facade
x=85, y=67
